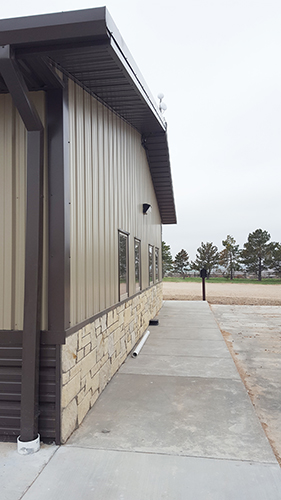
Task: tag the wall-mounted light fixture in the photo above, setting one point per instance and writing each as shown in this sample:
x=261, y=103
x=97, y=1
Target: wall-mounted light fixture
x=146, y=208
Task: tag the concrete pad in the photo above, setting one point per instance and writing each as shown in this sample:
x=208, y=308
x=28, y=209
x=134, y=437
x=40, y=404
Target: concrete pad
x=188, y=333
x=186, y=308
x=181, y=304
x=181, y=366
x=183, y=307
x=87, y=474
x=206, y=348
x=171, y=324
x=17, y=472
x=183, y=314
x=183, y=317
x=175, y=415
x=263, y=345
x=254, y=336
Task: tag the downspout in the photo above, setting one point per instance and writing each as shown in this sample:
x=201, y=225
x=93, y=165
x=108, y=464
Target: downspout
x=29, y=441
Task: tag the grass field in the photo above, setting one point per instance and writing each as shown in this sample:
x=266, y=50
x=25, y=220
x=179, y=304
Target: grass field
x=266, y=281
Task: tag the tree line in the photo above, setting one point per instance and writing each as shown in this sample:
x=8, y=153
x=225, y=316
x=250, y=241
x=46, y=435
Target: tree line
x=258, y=254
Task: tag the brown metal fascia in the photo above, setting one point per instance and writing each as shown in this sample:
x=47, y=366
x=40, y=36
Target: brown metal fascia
x=33, y=250
x=50, y=28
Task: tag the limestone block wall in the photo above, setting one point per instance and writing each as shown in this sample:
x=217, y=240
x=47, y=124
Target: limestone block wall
x=92, y=355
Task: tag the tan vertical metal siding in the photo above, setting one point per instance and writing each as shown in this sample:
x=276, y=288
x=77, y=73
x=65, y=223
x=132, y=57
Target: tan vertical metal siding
x=110, y=180
x=20, y=202
x=95, y=278
x=12, y=214
x=101, y=206
x=40, y=104
x=6, y=212
x=88, y=196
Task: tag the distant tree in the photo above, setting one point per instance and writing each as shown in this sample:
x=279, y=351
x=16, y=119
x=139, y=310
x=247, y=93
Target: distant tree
x=256, y=254
x=167, y=259
x=207, y=257
x=229, y=256
x=274, y=261
x=181, y=263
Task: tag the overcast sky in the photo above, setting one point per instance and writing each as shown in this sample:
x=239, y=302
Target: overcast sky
x=218, y=64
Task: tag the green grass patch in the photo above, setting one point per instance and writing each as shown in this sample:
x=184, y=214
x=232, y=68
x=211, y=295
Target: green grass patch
x=266, y=281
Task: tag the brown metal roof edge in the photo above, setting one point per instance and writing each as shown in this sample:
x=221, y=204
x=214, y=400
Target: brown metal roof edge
x=76, y=25
x=89, y=25
x=50, y=28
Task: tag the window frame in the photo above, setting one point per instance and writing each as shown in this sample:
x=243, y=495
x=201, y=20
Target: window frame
x=156, y=263
x=137, y=241
x=124, y=295
x=150, y=264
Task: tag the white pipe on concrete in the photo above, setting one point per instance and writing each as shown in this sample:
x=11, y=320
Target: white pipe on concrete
x=140, y=345
x=28, y=447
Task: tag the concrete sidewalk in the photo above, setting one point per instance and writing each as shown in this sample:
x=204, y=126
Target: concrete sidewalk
x=175, y=423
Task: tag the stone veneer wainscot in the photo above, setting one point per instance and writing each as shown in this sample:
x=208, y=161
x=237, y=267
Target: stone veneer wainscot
x=92, y=355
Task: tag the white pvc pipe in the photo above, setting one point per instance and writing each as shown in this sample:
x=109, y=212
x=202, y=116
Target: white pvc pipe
x=140, y=345
x=28, y=447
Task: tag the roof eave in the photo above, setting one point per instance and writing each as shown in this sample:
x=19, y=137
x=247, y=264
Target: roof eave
x=51, y=34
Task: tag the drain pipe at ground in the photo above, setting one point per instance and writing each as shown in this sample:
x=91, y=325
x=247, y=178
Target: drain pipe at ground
x=140, y=345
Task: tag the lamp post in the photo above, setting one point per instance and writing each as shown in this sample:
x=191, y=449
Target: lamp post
x=203, y=275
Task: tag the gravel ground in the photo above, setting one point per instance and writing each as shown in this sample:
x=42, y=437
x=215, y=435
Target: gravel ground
x=225, y=293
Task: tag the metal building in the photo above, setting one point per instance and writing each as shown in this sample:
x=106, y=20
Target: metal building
x=85, y=185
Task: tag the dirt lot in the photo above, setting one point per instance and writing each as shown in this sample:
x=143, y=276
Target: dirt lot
x=225, y=293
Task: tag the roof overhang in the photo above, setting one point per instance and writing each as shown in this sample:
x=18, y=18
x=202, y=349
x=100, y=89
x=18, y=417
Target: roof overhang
x=87, y=46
